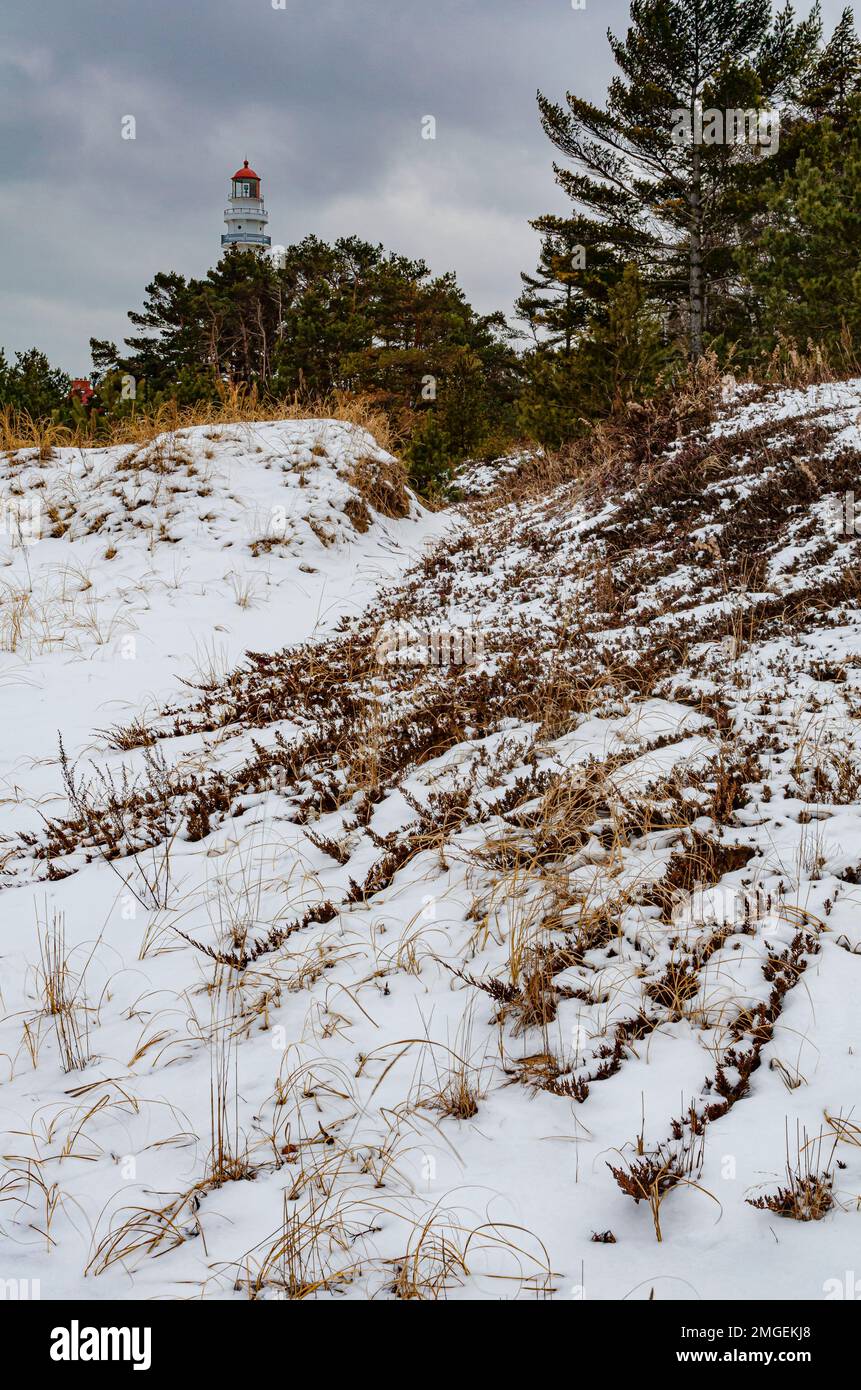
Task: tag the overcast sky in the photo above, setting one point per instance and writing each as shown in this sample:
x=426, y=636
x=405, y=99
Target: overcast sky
x=324, y=97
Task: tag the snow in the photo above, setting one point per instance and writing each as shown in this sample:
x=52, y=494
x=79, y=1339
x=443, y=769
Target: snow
x=395, y=1127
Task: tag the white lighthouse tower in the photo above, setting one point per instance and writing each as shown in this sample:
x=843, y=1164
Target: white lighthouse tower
x=246, y=217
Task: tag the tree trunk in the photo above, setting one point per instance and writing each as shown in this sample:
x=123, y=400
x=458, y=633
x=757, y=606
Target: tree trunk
x=568, y=333
x=695, y=273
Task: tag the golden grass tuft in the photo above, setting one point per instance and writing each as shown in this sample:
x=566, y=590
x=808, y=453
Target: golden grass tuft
x=382, y=485
x=235, y=406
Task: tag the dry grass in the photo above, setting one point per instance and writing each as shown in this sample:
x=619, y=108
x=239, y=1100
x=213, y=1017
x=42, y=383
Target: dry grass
x=382, y=485
x=298, y=1264
x=809, y=1191
x=61, y=612
x=18, y=430
x=140, y=1230
x=790, y=365
x=61, y=994
x=444, y=1251
x=846, y=1131
x=455, y=1088
x=228, y=1155
x=650, y=1177
x=16, y=616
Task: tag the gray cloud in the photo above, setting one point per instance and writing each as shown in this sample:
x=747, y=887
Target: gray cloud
x=325, y=97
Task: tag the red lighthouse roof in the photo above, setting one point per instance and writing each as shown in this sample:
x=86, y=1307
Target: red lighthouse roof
x=246, y=173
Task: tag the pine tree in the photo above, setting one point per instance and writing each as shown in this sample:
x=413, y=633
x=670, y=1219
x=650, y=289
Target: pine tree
x=31, y=384
x=805, y=269
x=347, y=316
x=550, y=407
x=429, y=456
x=650, y=172
x=623, y=356
x=553, y=300
x=836, y=76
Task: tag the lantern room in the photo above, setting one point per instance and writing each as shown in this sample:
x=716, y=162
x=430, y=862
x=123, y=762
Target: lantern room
x=246, y=184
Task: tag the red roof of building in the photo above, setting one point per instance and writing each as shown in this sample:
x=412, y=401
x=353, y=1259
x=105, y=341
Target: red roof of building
x=246, y=173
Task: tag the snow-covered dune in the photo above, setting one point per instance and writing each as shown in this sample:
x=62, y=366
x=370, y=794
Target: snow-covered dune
x=127, y=570
x=483, y=932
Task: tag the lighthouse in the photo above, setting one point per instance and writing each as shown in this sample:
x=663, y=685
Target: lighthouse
x=246, y=217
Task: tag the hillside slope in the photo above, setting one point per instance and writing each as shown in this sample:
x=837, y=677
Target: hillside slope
x=496, y=938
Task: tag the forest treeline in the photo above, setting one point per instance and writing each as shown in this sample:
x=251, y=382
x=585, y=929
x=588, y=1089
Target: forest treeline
x=715, y=208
